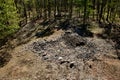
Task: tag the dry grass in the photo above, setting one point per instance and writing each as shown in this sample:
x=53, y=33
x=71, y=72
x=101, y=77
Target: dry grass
x=96, y=30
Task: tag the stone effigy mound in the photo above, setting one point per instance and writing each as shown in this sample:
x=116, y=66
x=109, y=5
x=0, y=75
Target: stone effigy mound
x=71, y=47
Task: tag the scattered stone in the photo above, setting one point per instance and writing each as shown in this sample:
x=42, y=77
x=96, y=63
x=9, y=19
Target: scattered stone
x=60, y=58
x=62, y=62
x=71, y=47
x=72, y=65
x=90, y=66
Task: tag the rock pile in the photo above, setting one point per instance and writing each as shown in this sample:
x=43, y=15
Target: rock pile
x=70, y=48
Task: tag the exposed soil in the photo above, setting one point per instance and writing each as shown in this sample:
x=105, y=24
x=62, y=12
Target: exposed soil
x=63, y=55
x=60, y=56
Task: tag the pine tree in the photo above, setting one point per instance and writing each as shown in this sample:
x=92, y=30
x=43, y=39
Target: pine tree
x=8, y=18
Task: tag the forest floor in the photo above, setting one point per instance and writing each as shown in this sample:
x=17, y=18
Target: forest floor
x=60, y=56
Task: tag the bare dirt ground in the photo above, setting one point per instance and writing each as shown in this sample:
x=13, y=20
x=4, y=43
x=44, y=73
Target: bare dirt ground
x=61, y=56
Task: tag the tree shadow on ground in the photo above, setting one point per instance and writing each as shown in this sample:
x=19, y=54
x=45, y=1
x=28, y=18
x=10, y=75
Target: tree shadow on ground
x=83, y=31
x=4, y=58
x=79, y=29
x=2, y=42
x=112, y=32
x=45, y=32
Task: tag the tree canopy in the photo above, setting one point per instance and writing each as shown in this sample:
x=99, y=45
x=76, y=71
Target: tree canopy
x=30, y=10
x=8, y=18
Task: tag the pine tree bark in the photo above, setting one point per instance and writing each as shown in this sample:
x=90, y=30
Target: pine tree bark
x=85, y=12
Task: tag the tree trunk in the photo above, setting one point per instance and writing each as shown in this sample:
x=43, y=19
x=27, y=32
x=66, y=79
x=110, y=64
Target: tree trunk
x=45, y=10
x=71, y=9
x=85, y=12
x=25, y=11
x=49, y=9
